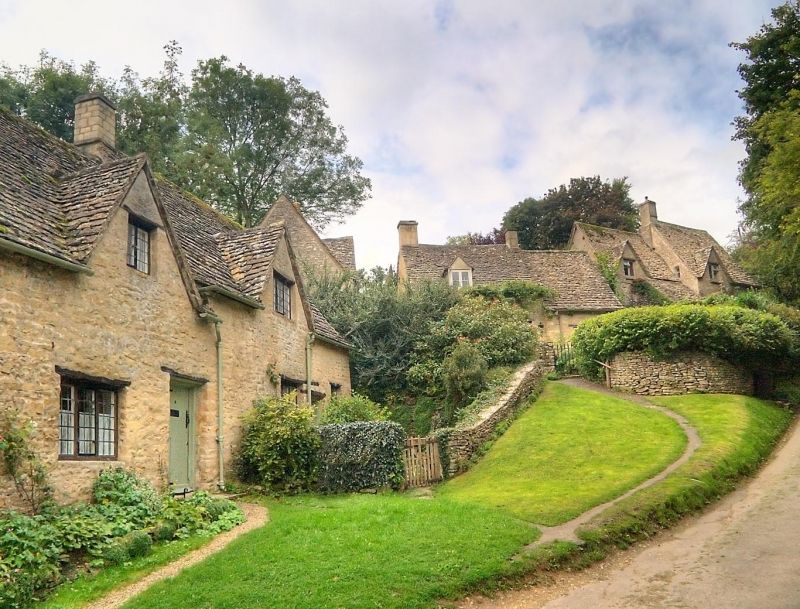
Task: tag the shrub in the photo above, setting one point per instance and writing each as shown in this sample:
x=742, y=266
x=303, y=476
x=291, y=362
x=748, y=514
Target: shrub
x=743, y=336
x=464, y=373
x=126, y=500
x=523, y=293
x=279, y=445
x=139, y=544
x=352, y=408
x=500, y=331
x=355, y=456
x=22, y=464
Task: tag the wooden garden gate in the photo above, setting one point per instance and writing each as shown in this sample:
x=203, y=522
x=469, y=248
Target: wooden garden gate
x=423, y=465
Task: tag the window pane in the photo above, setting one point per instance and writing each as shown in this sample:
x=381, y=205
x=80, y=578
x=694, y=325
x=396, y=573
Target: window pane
x=464, y=278
x=131, y=245
x=106, y=418
x=142, y=250
x=454, y=279
x=86, y=422
x=66, y=422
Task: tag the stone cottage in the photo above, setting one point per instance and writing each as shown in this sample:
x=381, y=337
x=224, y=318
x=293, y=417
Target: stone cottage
x=137, y=325
x=680, y=262
x=580, y=292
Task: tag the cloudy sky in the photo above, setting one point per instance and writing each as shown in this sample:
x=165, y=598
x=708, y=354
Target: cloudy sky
x=460, y=109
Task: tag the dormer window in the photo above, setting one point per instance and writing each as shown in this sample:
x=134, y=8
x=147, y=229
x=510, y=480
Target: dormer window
x=461, y=279
x=138, y=245
x=713, y=271
x=627, y=267
x=283, y=296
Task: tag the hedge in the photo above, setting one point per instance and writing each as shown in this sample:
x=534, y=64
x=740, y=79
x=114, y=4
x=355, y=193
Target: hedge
x=743, y=336
x=365, y=454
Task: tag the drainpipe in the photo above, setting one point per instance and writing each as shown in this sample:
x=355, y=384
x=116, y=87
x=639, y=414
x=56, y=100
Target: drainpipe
x=309, y=375
x=220, y=411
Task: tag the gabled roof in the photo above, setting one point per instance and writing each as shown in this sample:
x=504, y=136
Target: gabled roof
x=56, y=200
x=53, y=198
x=572, y=275
x=343, y=249
x=612, y=241
x=694, y=247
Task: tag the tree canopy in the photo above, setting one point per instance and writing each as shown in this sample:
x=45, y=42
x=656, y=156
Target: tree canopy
x=546, y=223
x=233, y=136
x=770, y=173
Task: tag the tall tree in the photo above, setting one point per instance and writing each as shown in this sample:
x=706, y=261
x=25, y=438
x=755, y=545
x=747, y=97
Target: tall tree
x=251, y=138
x=496, y=236
x=546, y=223
x=770, y=129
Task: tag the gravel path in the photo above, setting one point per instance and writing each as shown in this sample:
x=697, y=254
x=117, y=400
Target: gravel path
x=741, y=554
x=568, y=530
x=257, y=516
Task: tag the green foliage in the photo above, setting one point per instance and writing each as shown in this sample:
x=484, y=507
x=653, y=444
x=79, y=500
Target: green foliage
x=356, y=456
x=648, y=293
x=352, y=408
x=464, y=374
x=234, y=137
x=495, y=236
x=740, y=335
x=546, y=223
x=22, y=464
x=609, y=272
x=126, y=500
x=497, y=381
x=499, y=330
x=522, y=293
x=279, y=445
x=133, y=545
x=383, y=321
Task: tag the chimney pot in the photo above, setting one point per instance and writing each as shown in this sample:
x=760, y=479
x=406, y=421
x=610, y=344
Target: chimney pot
x=512, y=239
x=407, y=231
x=647, y=212
x=95, y=125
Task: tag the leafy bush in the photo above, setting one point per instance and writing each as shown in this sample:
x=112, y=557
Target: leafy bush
x=523, y=293
x=126, y=500
x=352, y=408
x=743, y=336
x=355, y=456
x=464, y=372
x=648, y=293
x=22, y=464
x=500, y=331
x=279, y=445
x=133, y=545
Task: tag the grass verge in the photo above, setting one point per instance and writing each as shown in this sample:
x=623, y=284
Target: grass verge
x=738, y=434
x=350, y=552
x=572, y=450
x=89, y=587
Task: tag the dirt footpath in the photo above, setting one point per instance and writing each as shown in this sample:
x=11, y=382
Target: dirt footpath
x=744, y=553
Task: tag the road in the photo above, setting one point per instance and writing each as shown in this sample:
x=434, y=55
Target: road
x=743, y=553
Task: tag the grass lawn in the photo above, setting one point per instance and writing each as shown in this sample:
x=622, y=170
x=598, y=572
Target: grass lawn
x=86, y=588
x=572, y=450
x=737, y=432
x=357, y=551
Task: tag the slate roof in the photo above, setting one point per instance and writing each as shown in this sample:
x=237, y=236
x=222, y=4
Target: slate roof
x=343, y=249
x=572, y=275
x=57, y=200
x=53, y=198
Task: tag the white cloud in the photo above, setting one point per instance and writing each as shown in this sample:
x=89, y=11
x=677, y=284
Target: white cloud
x=461, y=109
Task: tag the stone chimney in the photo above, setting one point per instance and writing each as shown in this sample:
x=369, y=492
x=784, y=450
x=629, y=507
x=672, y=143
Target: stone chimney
x=95, y=125
x=407, y=231
x=512, y=240
x=647, y=212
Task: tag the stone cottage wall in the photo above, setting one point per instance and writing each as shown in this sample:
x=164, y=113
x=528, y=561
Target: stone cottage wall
x=679, y=373
x=464, y=443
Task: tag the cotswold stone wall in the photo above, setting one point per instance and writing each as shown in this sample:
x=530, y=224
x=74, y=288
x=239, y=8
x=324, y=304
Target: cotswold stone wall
x=463, y=443
x=679, y=373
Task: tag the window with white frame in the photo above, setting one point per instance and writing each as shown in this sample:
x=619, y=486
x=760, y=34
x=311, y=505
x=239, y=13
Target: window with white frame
x=627, y=267
x=460, y=279
x=713, y=271
x=87, y=424
x=138, y=246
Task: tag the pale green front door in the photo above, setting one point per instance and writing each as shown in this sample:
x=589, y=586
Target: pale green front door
x=180, y=437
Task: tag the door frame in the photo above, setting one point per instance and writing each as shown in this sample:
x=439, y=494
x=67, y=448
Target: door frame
x=191, y=388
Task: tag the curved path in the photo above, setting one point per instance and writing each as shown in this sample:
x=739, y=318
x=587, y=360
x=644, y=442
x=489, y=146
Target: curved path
x=568, y=530
x=741, y=554
x=256, y=515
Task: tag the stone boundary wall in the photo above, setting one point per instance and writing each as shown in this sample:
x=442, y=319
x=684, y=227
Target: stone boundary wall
x=546, y=352
x=463, y=443
x=676, y=374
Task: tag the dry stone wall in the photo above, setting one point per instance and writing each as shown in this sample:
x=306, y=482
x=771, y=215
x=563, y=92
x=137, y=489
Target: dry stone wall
x=464, y=443
x=679, y=373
